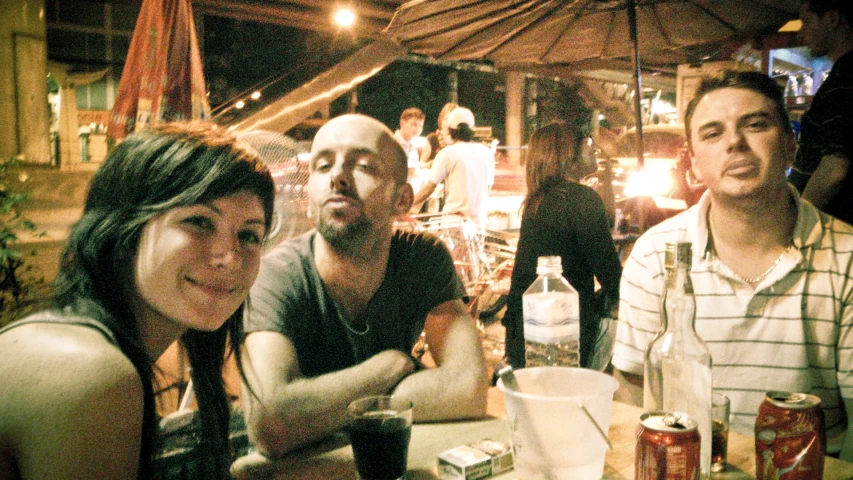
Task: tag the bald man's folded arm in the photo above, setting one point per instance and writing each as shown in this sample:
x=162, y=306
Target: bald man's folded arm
x=457, y=387
x=285, y=410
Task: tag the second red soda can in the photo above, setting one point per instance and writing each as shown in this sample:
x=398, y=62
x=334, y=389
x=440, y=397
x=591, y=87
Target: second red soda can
x=790, y=437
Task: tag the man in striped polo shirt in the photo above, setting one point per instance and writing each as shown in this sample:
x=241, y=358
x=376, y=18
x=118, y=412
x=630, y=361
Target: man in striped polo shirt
x=771, y=273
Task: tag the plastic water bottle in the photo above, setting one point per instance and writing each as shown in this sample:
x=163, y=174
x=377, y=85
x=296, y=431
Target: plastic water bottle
x=677, y=370
x=551, y=318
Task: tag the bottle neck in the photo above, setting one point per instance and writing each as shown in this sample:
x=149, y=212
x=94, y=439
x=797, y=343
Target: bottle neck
x=549, y=272
x=678, y=305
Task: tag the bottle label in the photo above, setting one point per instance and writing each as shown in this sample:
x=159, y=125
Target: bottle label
x=550, y=317
x=551, y=333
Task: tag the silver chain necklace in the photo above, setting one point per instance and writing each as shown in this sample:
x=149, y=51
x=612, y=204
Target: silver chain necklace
x=351, y=329
x=766, y=273
x=757, y=279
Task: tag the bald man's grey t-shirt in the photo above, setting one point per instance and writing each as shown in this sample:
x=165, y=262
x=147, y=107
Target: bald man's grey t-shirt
x=289, y=297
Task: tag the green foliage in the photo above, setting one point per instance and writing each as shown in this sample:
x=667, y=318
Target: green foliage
x=14, y=290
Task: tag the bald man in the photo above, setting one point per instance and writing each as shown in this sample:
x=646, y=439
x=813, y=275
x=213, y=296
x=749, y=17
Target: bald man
x=335, y=313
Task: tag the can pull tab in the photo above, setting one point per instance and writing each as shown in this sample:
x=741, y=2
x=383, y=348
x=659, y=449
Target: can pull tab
x=674, y=421
x=597, y=427
x=794, y=398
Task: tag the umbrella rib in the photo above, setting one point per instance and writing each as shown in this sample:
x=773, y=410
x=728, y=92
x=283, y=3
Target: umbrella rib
x=713, y=15
x=611, y=25
x=609, y=37
x=732, y=28
x=549, y=11
x=491, y=39
x=564, y=32
x=431, y=18
x=610, y=28
x=660, y=25
x=453, y=27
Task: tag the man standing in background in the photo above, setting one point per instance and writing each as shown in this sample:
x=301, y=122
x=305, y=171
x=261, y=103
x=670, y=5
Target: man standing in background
x=821, y=171
x=466, y=166
x=409, y=136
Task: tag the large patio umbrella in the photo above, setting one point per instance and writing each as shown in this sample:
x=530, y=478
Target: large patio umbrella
x=579, y=33
x=162, y=78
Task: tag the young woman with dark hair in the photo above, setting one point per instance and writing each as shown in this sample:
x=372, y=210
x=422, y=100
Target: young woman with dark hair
x=168, y=246
x=562, y=217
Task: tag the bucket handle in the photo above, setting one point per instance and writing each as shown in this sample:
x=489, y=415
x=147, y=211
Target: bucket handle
x=597, y=426
x=508, y=377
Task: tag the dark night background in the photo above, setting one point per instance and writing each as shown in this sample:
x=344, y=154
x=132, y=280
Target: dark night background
x=242, y=56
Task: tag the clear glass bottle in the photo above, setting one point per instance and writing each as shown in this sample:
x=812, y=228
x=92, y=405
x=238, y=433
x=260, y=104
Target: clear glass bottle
x=677, y=370
x=551, y=318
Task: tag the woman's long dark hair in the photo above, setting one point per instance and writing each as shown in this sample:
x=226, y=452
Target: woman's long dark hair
x=168, y=166
x=553, y=155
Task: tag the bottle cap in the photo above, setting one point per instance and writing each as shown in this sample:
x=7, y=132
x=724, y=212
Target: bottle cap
x=549, y=265
x=678, y=253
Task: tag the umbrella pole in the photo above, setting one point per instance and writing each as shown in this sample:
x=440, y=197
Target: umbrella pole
x=638, y=98
x=638, y=89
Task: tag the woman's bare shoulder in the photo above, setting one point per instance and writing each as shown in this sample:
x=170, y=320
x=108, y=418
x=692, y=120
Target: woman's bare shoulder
x=64, y=347
x=61, y=360
x=72, y=385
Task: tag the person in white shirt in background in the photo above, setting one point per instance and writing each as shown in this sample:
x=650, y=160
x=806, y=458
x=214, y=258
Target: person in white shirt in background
x=438, y=139
x=409, y=135
x=466, y=166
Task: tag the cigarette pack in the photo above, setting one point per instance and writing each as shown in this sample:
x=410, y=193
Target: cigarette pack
x=475, y=460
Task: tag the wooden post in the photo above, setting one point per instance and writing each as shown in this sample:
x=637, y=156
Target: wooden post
x=514, y=115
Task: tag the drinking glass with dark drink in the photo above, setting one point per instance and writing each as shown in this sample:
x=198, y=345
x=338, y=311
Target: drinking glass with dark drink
x=379, y=429
x=719, y=431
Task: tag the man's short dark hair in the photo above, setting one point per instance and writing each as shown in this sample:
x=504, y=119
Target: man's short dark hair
x=820, y=7
x=749, y=80
x=412, y=112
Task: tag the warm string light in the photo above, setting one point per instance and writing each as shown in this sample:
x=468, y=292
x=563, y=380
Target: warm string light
x=345, y=18
x=239, y=104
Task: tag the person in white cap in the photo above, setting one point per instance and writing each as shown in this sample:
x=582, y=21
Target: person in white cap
x=467, y=167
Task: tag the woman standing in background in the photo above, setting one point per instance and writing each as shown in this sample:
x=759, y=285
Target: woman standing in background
x=564, y=218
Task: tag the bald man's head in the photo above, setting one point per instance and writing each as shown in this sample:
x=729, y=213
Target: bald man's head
x=355, y=132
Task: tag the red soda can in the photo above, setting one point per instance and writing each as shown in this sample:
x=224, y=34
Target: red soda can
x=668, y=447
x=790, y=437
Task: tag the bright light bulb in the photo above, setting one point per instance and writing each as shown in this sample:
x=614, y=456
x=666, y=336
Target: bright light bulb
x=256, y=95
x=345, y=17
x=240, y=104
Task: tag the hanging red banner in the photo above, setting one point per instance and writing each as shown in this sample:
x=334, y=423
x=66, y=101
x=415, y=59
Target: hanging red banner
x=162, y=78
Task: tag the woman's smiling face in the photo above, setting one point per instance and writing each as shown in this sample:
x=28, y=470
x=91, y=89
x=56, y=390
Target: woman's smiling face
x=195, y=264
